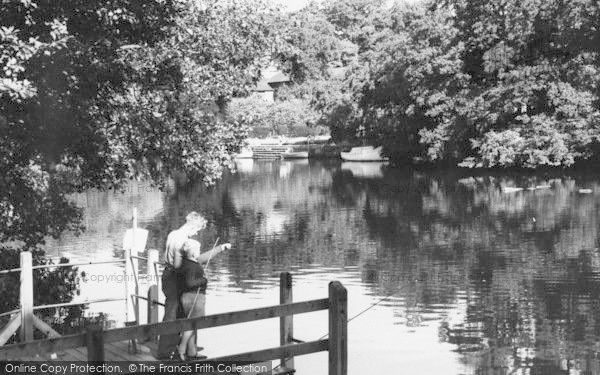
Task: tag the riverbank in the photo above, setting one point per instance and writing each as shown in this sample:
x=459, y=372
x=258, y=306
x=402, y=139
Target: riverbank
x=322, y=147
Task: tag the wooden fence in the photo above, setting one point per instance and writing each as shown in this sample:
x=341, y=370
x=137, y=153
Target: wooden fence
x=24, y=318
x=25, y=321
x=337, y=343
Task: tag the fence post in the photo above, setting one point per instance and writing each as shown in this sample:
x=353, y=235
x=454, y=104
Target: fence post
x=153, y=304
x=338, y=329
x=135, y=265
x=129, y=287
x=286, y=323
x=152, y=260
x=95, y=344
x=26, y=297
x=153, y=288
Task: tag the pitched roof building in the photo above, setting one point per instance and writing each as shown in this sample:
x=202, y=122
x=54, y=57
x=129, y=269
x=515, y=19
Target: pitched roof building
x=268, y=85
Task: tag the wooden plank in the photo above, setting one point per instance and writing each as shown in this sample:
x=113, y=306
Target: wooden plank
x=286, y=323
x=10, y=328
x=131, y=289
x=153, y=294
x=290, y=350
x=152, y=347
x=32, y=359
x=26, y=297
x=82, y=352
x=338, y=329
x=180, y=325
x=94, y=341
x=111, y=356
x=283, y=371
x=55, y=345
x=143, y=354
x=152, y=304
x=45, y=328
x=73, y=355
x=114, y=353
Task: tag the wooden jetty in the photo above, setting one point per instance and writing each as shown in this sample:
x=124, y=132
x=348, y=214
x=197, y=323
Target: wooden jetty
x=268, y=151
x=137, y=341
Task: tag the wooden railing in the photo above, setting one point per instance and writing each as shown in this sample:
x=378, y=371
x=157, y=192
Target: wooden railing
x=24, y=319
x=337, y=343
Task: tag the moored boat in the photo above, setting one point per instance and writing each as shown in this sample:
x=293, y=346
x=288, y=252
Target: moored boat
x=290, y=154
x=365, y=153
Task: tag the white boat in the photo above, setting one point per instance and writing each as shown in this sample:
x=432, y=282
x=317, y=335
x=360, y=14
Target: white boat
x=245, y=153
x=290, y=154
x=366, y=153
x=510, y=189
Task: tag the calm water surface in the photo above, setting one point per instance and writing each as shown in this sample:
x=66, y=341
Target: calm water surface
x=468, y=275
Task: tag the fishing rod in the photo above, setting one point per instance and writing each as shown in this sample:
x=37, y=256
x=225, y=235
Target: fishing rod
x=212, y=251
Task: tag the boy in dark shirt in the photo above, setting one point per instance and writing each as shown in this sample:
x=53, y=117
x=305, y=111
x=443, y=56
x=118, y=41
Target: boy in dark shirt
x=193, y=298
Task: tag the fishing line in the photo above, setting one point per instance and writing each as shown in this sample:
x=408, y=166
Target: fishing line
x=347, y=321
x=363, y=311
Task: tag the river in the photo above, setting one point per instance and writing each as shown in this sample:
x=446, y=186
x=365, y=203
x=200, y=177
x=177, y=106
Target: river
x=468, y=274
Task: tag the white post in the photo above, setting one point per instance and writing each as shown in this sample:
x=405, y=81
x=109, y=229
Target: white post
x=161, y=296
x=129, y=286
x=26, y=297
x=135, y=264
x=134, y=242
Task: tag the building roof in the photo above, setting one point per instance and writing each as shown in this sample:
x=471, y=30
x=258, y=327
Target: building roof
x=279, y=78
x=263, y=86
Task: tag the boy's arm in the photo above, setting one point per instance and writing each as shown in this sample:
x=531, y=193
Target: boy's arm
x=204, y=257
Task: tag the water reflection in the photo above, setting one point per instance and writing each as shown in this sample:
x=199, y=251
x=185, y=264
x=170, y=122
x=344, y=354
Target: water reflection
x=364, y=170
x=488, y=274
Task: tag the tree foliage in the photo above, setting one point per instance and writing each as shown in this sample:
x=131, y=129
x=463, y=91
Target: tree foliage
x=95, y=93
x=293, y=117
x=483, y=84
x=310, y=45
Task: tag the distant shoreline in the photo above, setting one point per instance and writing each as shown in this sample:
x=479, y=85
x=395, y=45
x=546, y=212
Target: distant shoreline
x=284, y=140
x=322, y=147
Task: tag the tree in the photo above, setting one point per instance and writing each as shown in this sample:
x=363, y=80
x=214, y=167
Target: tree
x=533, y=70
x=311, y=45
x=95, y=93
x=293, y=117
x=500, y=84
x=357, y=20
x=210, y=56
x=382, y=96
